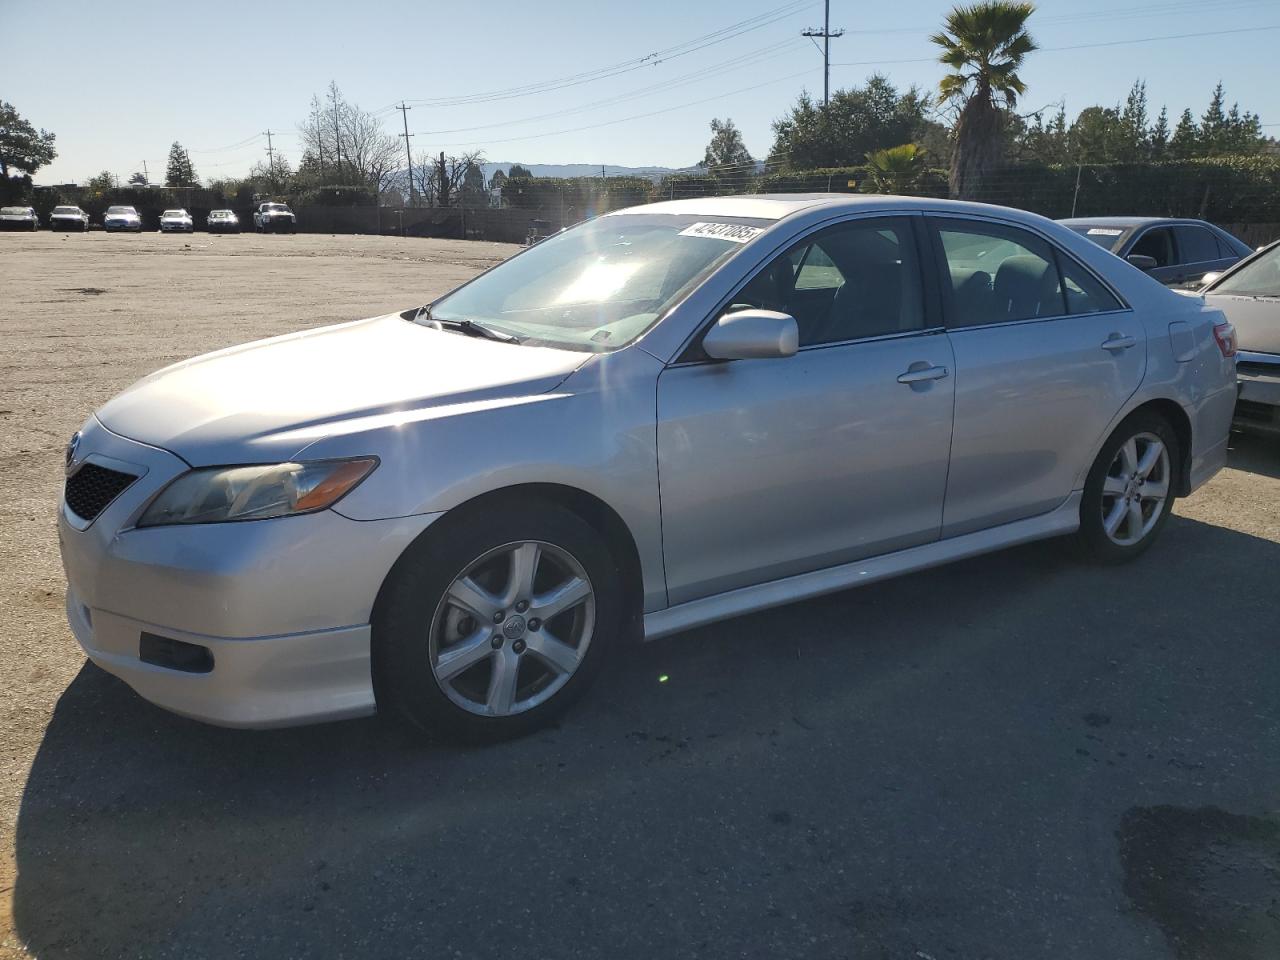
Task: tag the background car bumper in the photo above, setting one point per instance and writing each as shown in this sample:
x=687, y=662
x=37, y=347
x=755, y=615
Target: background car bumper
x=1258, y=404
x=281, y=606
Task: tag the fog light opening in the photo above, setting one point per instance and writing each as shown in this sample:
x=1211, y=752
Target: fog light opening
x=174, y=654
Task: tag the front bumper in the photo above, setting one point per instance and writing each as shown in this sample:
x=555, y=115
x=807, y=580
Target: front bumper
x=176, y=228
x=1258, y=402
x=287, y=224
x=282, y=606
x=114, y=225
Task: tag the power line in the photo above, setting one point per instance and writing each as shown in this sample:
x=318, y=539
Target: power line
x=686, y=48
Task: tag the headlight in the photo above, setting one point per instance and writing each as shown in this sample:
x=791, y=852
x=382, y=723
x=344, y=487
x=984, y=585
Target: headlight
x=220, y=494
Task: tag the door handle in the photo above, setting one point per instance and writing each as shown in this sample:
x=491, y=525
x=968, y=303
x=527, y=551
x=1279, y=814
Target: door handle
x=1117, y=342
x=923, y=374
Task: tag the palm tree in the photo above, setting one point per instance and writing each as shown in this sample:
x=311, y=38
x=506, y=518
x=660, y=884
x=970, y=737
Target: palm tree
x=984, y=45
x=895, y=170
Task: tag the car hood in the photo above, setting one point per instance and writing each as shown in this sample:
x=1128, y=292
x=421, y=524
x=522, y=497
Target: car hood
x=1256, y=319
x=15, y=216
x=122, y=216
x=254, y=403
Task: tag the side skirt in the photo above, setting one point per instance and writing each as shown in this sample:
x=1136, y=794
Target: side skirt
x=1062, y=520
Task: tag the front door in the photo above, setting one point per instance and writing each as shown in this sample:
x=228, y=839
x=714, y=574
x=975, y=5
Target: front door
x=770, y=468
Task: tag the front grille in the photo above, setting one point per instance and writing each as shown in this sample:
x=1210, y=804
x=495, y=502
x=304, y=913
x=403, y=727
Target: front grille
x=91, y=488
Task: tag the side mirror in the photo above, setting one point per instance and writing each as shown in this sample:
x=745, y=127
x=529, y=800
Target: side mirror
x=1208, y=278
x=1142, y=262
x=752, y=335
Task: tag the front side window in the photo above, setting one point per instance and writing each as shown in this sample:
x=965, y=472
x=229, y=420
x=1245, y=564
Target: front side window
x=602, y=284
x=997, y=273
x=1258, y=278
x=856, y=280
x=1157, y=244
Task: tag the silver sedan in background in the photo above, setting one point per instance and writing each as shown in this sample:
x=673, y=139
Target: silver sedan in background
x=69, y=218
x=663, y=417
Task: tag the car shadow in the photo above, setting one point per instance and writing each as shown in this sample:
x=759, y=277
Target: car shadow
x=877, y=770
x=1255, y=454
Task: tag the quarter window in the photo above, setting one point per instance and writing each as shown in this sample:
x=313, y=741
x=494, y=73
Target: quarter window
x=855, y=280
x=997, y=274
x=1083, y=292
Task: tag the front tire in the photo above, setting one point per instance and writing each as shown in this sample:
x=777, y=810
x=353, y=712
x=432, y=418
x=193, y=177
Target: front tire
x=495, y=621
x=1130, y=490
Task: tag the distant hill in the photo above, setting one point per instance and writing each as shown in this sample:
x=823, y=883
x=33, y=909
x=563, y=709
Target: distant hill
x=586, y=170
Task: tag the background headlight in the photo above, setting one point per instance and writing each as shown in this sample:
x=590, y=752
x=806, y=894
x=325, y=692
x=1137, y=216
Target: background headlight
x=219, y=494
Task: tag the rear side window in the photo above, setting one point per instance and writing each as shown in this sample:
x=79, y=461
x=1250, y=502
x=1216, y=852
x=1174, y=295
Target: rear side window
x=997, y=274
x=1196, y=244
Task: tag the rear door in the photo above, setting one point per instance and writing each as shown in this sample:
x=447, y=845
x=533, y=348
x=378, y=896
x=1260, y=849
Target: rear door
x=1045, y=356
x=1198, y=251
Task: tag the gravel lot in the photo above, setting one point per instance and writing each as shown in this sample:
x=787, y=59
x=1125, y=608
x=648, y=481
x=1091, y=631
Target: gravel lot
x=1013, y=757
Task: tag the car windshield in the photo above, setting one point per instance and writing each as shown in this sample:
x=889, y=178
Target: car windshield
x=71, y=210
x=219, y=214
x=1105, y=236
x=277, y=208
x=13, y=211
x=173, y=213
x=1258, y=278
x=600, y=285
x=121, y=210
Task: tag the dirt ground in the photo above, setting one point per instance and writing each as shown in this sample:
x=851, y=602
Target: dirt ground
x=1014, y=756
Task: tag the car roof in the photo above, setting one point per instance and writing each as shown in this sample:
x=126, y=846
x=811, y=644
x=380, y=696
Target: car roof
x=776, y=206
x=1127, y=221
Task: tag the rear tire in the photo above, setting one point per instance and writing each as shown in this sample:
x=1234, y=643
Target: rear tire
x=459, y=615
x=1129, y=492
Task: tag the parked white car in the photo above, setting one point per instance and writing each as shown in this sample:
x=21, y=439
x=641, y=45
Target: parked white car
x=176, y=221
x=662, y=417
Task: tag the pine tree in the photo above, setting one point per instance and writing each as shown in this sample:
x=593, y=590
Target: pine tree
x=1158, y=137
x=1185, y=141
x=1133, y=123
x=180, y=172
x=1213, y=125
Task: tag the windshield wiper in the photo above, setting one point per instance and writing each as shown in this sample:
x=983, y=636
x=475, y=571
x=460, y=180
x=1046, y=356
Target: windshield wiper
x=472, y=328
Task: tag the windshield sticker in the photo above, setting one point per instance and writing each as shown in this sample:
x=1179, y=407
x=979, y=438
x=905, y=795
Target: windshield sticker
x=733, y=232
x=1104, y=232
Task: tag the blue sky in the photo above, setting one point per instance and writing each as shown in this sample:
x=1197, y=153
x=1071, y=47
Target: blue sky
x=118, y=82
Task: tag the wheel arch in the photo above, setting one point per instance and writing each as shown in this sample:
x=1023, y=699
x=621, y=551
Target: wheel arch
x=1171, y=412
x=600, y=515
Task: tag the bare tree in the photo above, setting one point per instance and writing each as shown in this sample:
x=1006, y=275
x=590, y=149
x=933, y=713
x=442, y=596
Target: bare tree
x=348, y=144
x=274, y=173
x=440, y=184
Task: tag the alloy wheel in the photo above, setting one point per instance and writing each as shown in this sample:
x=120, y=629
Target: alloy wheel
x=1135, y=490
x=512, y=628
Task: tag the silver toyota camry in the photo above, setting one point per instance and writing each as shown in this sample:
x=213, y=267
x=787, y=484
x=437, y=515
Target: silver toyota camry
x=663, y=417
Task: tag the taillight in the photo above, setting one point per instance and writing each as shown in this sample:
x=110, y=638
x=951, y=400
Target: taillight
x=1225, y=333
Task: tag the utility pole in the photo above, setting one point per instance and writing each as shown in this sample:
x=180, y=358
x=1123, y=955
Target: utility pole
x=826, y=33
x=146, y=176
x=337, y=134
x=404, y=113
x=442, y=196
x=271, y=157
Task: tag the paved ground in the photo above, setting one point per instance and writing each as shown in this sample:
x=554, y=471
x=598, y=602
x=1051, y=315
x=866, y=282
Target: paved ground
x=1013, y=757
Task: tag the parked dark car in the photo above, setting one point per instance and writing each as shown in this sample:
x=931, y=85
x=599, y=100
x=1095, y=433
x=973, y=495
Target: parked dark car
x=1249, y=294
x=1183, y=251
x=68, y=218
x=19, y=218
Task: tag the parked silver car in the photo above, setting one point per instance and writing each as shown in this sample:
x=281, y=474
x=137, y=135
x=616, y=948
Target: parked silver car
x=662, y=417
x=1249, y=295
x=69, y=218
x=19, y=218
